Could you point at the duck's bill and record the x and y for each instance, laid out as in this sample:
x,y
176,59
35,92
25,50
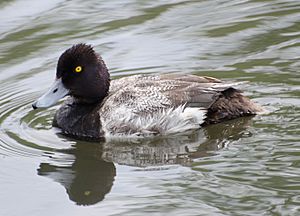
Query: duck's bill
x,y
56,92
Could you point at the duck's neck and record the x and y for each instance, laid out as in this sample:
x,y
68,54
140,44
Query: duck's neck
x,y
80,120
85,102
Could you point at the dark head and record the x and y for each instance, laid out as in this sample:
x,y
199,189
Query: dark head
x,y
80,73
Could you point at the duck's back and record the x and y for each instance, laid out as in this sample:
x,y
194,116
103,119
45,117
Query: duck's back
x,y
151,104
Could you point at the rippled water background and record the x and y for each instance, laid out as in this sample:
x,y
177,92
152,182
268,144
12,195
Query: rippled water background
x,y
249,166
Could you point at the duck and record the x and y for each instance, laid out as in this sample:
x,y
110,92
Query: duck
x,y
140,105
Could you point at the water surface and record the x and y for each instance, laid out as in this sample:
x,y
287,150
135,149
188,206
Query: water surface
x,y
249,166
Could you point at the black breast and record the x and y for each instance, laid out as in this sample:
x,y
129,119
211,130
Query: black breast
x,y
79,120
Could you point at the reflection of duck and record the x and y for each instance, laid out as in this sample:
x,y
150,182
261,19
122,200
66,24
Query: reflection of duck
x,y
140,105
88,179
220,135
153,151
179,149
91,175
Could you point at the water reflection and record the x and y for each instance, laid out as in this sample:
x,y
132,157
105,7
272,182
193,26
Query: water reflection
x,y
178,149
90,177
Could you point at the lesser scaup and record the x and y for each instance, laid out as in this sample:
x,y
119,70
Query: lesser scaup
x,y
138,105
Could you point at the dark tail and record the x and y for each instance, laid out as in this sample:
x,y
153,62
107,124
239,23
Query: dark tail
x,y
231,104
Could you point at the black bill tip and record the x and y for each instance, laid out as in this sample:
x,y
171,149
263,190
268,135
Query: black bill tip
x,y
34,106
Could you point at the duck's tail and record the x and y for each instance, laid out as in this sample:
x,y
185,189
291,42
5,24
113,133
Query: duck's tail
x,y
231,104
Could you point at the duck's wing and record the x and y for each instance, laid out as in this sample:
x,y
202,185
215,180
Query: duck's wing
x,y
198,94
146,94
147,79
189,78
158,104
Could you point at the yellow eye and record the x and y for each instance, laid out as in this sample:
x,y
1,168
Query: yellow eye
x,y
78,69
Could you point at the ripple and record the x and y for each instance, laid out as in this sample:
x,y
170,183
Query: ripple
x,y
24,131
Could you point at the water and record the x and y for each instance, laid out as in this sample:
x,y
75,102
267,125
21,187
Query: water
x,y
249,166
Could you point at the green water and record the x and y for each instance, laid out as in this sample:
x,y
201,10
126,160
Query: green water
x,y
250,166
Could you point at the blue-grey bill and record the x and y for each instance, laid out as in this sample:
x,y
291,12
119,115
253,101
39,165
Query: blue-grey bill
x,y
54,94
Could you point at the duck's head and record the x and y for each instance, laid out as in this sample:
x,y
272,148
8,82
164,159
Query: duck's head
x,y
80,73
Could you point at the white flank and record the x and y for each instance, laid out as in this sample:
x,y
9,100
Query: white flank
x,y
124,122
